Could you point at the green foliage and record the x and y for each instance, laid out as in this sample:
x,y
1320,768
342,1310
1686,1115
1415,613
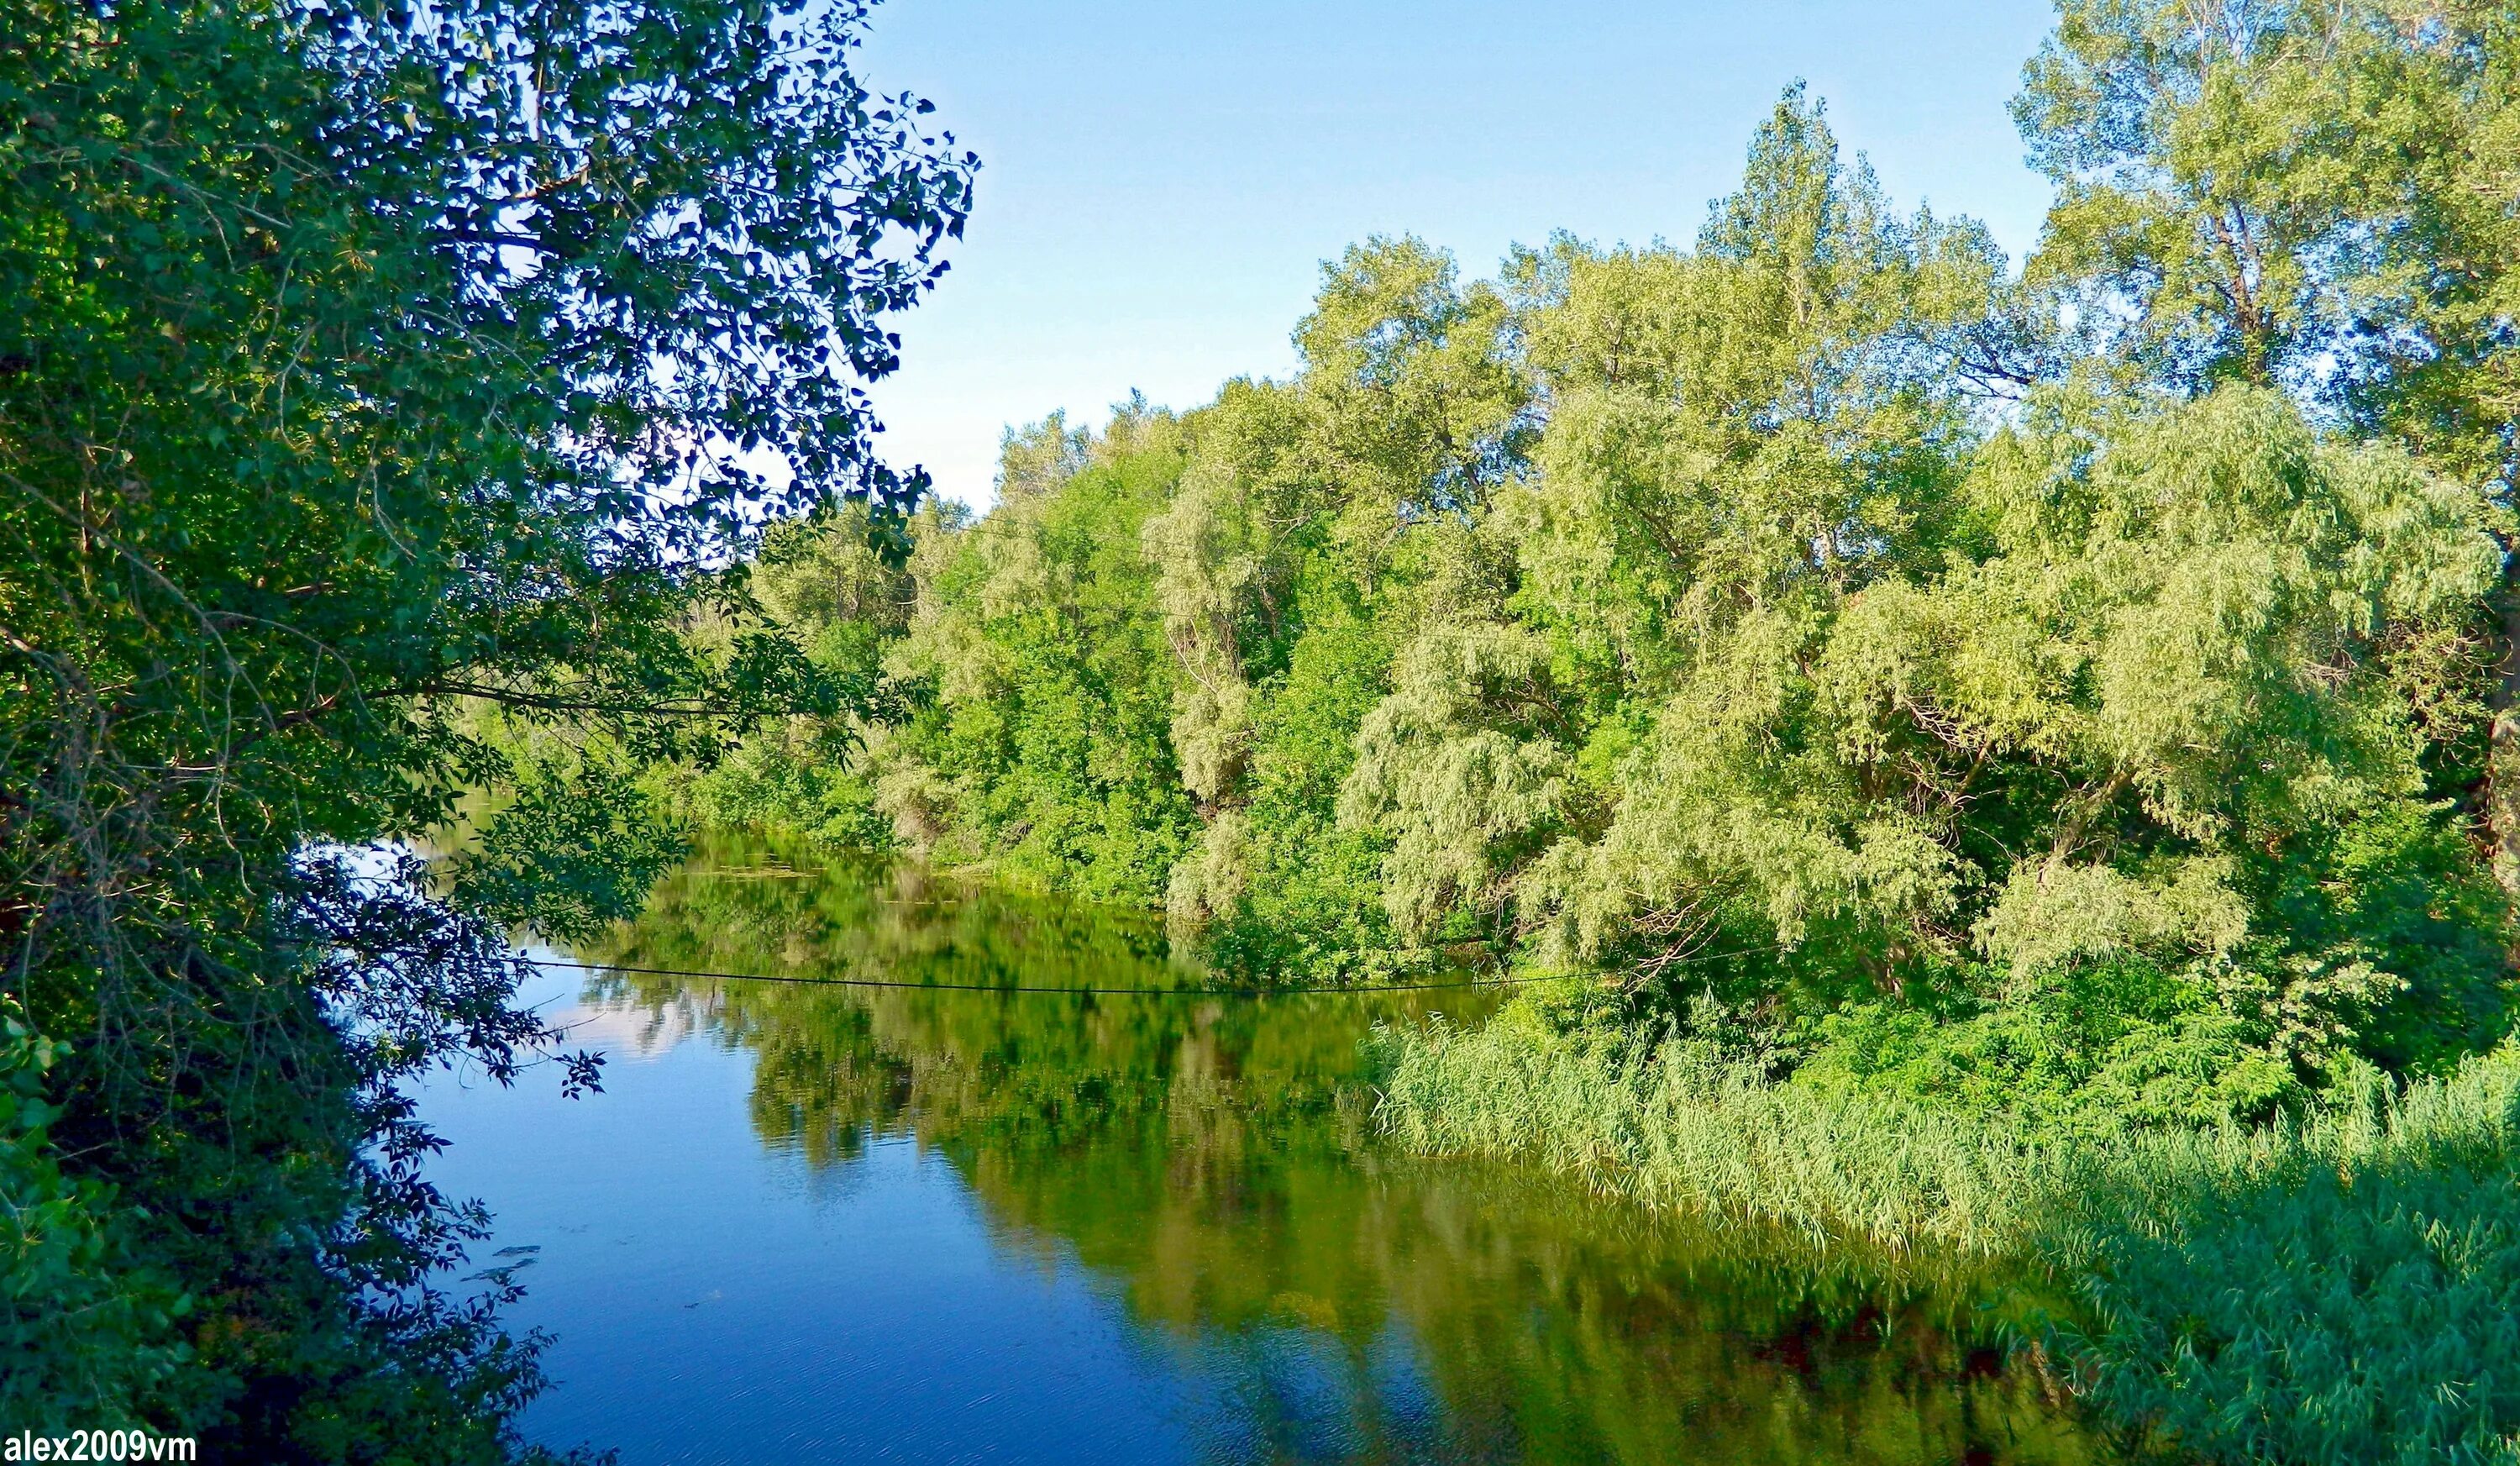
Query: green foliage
x,y
375,380
1942,714
1689,1118
79,1322
1281,886
1045,685
2315,195
1981,735
1779,613
2340,1288
2325,1316
2103,1048
828,586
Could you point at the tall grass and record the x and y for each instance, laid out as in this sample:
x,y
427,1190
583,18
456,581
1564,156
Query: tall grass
x,y
2344,1287
1657,1124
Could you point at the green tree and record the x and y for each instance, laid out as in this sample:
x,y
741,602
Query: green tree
x,y
1611,738
368,365
2322,198
1794,611
1038,678
1315,523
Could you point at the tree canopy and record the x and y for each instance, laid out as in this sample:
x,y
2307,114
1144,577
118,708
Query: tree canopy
x,y
370,365
1826,617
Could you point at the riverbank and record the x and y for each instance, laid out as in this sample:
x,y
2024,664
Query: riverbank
x,y
2343,1286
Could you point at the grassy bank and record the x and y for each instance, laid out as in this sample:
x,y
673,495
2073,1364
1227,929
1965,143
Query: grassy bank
x,y
2344,1286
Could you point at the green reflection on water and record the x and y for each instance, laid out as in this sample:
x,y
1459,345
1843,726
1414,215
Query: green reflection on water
x,y
1213,1158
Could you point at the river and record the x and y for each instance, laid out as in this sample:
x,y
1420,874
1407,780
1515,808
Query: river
x,y
813,1222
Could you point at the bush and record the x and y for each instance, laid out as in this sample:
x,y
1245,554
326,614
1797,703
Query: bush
x,y
2357,1298
80,1325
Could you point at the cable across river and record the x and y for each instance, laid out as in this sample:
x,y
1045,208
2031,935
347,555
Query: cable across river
x,y
1018,987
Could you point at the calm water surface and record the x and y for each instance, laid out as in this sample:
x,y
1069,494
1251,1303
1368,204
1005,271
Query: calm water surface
x,y
827,1223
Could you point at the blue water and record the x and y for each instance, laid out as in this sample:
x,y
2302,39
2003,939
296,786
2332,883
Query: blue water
x,y
717,1301
845,1225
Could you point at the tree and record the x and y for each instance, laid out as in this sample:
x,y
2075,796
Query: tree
x,y
1738,439
1314,523
2322,198
370,364
1041,689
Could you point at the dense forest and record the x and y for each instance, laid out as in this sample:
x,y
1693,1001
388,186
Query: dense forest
x,y
2007,758
2038,691
2012,760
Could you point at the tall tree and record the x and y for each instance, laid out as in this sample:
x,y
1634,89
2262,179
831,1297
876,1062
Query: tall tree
x,y
2323,197
366,362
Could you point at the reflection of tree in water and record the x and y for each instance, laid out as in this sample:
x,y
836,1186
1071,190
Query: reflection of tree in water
x,y
1209,1157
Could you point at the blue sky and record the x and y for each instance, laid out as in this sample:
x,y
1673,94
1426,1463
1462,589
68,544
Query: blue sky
x,y
1160,183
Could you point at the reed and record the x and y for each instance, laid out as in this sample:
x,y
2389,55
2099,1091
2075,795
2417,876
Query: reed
x,y
2341,1287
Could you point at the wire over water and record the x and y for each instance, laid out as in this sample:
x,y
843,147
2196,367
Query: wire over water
x,y
1238,992
756,976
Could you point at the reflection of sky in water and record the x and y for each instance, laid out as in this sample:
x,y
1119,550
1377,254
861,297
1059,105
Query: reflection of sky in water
x,y
723,1300
715,1301
718,1300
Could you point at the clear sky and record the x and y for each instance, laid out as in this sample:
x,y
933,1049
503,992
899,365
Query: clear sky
x,y
1161,182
